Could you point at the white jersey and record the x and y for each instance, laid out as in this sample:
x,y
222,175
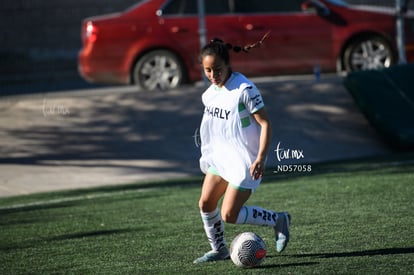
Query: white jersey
x,y
229,134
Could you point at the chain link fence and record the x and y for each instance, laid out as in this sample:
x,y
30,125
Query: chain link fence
x,y
48,39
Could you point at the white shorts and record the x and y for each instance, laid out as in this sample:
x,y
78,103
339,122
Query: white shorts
x,y
243,186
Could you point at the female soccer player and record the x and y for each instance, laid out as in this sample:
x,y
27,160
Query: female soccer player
x,y
235,136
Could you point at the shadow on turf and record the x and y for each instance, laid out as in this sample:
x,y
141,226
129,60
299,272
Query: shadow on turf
x,y
265,266
96,233
78,235
75,198
374,252
32,207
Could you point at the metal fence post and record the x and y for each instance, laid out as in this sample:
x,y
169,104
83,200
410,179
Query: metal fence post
x,y
202,31
400,31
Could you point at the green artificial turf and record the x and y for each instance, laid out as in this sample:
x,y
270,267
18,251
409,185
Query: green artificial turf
x,y
347,218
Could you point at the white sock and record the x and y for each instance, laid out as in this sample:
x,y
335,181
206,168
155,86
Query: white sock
x,y
257,216
214,227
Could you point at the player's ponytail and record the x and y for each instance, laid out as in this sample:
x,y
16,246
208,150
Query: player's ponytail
x,y
245,48
218,47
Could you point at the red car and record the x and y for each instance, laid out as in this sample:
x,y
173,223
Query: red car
x,y
155,44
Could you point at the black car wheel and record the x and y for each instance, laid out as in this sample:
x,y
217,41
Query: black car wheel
x,y
368,53
158,69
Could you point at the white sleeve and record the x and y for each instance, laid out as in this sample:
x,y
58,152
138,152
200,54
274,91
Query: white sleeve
x,y
252,99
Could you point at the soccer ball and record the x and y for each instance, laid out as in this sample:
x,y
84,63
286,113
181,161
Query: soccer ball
x,y
247,250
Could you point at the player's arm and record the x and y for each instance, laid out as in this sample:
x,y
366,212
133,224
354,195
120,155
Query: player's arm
x,y
262,118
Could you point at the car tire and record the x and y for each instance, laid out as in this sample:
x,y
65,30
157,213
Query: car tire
x,y
368,53
159,69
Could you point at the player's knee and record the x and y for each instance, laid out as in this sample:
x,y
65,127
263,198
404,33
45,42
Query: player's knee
x,y
206,206
202,205
228,216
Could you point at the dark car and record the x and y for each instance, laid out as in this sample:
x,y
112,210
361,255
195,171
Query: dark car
x,y
155,44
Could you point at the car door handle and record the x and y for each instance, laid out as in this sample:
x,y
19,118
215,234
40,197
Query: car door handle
x,y
251,27
177,29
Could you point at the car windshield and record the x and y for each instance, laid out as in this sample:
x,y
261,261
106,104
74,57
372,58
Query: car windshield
x,y
339,2
139,2
185,7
